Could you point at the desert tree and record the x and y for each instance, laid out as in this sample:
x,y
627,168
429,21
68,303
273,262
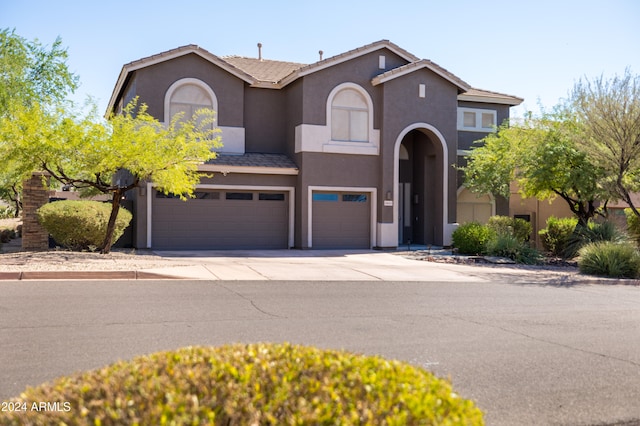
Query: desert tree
x,y
608,118
541,156
113,156
30,74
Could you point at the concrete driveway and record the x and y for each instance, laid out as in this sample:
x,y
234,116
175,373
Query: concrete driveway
x,y
339,265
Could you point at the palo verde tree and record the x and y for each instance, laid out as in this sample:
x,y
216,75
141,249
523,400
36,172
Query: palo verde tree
x,y
542,157
30,74
608,114
115,156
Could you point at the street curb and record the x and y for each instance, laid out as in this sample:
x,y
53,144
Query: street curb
x,y
83,275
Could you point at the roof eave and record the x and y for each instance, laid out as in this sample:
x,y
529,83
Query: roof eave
x,y
416,66
224,169
503,100
166,56
344,57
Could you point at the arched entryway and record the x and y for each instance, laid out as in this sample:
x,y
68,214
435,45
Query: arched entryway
x,y
421,185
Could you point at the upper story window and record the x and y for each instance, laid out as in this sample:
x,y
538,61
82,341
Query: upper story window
x,y
187,96
477,120
350,115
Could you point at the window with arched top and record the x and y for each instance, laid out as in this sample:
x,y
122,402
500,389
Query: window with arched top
x,y
350,116
187,96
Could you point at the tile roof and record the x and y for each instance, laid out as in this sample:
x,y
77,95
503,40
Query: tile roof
x,y
263,69
414,66
277,74
479,95
254,159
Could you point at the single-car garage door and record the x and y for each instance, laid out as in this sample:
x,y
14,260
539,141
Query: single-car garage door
x,y
341,220
221,219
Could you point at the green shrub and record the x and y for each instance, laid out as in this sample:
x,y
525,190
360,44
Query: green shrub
x,y
619,260
252,384
633,225
518,228
7,212
594,232
81,225
507,245
555,236
472,238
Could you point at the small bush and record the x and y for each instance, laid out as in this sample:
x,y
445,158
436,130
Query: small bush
x,y
555,237
251,384
472,238
518,228
7,212
81,225
633,225
594,232
507,245
618,260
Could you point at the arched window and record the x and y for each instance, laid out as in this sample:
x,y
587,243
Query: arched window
x,y
349,116
187,96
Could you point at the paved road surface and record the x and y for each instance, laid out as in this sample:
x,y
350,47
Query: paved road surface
x,y
528,354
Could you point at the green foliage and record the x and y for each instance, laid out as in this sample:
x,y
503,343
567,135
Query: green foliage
x,y
81,225
252,384
87,153
617,260
608,111
509,246
555,237
472,238
6,212
31,72
594,232
542,157
633,225
491,165
520,229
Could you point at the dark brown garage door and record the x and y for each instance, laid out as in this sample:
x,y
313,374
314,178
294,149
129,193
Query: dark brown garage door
x,y
341,220
221,220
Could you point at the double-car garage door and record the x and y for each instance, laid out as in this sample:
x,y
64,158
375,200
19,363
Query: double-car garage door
x,y
221,219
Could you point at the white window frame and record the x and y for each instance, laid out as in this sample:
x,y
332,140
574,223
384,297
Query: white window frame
x,y
185,81
478,121
369,102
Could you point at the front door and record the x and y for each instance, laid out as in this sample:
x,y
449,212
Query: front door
x,y
405,216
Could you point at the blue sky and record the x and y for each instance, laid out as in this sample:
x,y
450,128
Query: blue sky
x,y
534,49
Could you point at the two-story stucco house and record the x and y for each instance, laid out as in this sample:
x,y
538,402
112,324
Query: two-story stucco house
x,y
353,151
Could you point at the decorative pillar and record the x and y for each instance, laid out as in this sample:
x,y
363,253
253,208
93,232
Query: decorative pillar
x,y
35,194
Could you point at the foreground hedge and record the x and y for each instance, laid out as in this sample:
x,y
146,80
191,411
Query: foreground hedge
x,y
81,225
251,384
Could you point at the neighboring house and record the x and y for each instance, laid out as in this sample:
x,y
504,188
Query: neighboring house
x,y
353,151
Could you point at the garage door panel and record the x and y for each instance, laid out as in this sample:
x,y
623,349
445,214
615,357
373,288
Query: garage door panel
x,y
341,220
220,223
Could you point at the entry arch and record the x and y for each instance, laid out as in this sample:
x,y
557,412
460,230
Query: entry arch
x,y
436,137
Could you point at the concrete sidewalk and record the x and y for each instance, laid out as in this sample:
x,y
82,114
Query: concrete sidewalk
x,y
272,265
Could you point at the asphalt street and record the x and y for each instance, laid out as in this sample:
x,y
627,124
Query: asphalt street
x,y
528,354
